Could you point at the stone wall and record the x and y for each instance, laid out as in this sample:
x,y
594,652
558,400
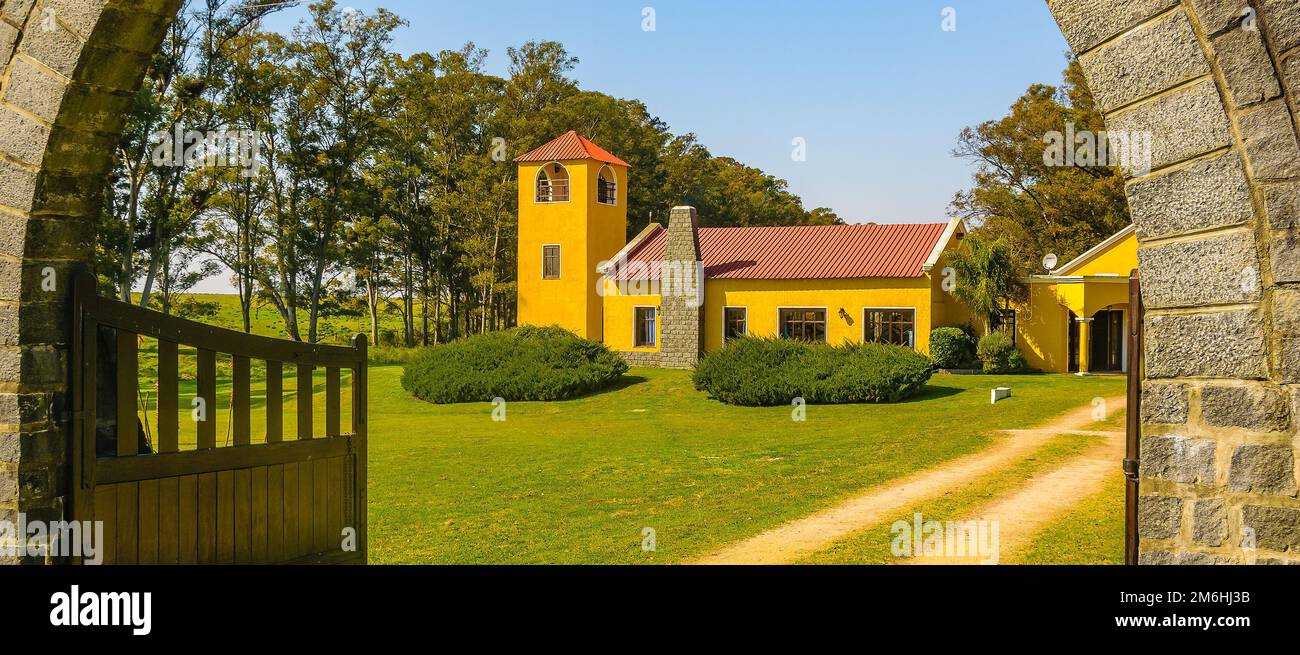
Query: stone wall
x,y
641,359
681,320
1216,83
68,72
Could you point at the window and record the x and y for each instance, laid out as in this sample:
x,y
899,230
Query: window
x,y
607,187
734,323
896,327
1005,321
645,327
550,262
803,324
552,183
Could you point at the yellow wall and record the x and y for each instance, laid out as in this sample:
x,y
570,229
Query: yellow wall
x,y
1119,259
587,232
764,298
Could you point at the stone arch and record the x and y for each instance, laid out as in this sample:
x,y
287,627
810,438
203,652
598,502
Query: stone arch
x,y
1216,82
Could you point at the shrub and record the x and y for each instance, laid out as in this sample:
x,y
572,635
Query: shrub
x,y
524,363
999,355
776,371
952,347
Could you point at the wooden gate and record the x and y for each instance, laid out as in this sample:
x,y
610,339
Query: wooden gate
x,y
164,501
1133,427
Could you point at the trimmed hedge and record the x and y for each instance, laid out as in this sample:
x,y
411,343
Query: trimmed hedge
x,y
953,347
524,363
751,371
999,354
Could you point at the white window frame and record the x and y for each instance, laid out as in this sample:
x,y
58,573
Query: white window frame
x,y
614,175
867,308
569,187
724,320
634,326
779,309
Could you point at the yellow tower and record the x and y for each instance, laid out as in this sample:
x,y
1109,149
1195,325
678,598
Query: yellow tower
x,y
572,217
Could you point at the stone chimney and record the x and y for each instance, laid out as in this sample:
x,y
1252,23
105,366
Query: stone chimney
x,y
681,280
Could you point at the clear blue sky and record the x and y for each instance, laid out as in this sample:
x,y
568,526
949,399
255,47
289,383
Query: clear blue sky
x,y
876,88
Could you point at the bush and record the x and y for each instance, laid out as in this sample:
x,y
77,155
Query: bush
x,y
776,371
999,355
524,363
952,347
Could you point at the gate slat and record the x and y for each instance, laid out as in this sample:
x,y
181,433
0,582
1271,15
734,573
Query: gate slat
x,y
274,402
187,519
304,401
243,531
169,521
333,407
305,517
147,541
241,427
106,511
207,388
334,503
168,380
320,498
275,513
127,383
207,519
127,515
290,510
225,517
257,496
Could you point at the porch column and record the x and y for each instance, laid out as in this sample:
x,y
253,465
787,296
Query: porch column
x,y
1085,344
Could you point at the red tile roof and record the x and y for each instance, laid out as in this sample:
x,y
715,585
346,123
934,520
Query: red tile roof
x,y
570,145
791,253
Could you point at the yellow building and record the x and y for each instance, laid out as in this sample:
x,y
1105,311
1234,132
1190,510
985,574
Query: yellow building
x,y
1076,316
672,293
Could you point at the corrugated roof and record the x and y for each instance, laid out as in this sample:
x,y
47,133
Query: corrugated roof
x,y
570,145
803,252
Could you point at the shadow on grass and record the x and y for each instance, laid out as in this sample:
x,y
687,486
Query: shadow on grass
x,y
622,383
930,392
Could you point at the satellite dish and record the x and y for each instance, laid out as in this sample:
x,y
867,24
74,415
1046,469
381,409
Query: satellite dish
x,y
1049,261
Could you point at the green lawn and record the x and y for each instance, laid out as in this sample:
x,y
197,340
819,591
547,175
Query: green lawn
x,y
578,481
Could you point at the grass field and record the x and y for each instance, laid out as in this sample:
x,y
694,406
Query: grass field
x,y
579,481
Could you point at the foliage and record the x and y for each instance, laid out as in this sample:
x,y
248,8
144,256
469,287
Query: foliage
x,y
953,348
1018,198
524,363
754,371
986,279
998,353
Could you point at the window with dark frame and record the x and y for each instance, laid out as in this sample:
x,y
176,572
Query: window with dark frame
x,y
896,327
1005,321
803,324
552,184
550,262
606,188
735,323
645,327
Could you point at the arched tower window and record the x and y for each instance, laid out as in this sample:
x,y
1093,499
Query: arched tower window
x,y
607,187
552,183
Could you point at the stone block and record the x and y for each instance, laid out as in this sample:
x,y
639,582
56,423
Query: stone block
x,y
1282,201
1219,15
1178,459
1164,403
1085,23
1144,61
1210,522
1246,66
1256,407
1283,20
1216,270
1263,469
1206,194
1159,517
1275,528
1270,141
1182,124
1219,344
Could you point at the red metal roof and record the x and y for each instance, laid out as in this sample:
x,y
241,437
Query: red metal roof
x,y
570,145
804,252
